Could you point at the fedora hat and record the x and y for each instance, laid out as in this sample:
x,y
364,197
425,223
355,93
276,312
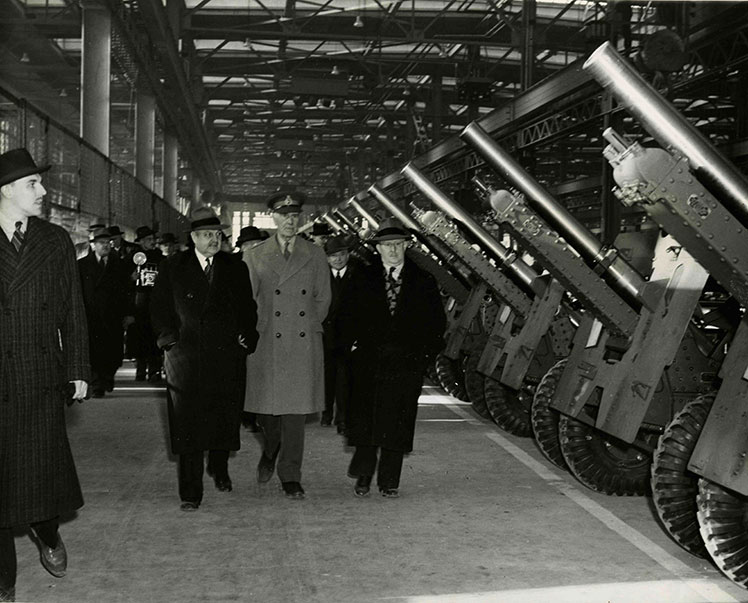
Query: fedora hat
x,y
249,233
204,218
337,243
167,238
141,232
101,233
390,230
286,203
17,164
115,231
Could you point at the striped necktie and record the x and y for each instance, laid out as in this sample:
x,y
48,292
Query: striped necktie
x,y
392,288
17,239
209,269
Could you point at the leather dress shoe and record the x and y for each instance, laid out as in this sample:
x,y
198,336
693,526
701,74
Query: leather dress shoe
x,y
325,422
362,486
293,490
7,594
54,560
265,467
389,492
188,505
223,482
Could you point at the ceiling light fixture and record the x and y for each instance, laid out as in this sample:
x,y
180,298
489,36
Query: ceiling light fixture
x,y
25,58
359,22
63,92
335,70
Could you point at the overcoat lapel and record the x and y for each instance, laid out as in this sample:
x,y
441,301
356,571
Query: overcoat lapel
x,y
196,276
297,260
34,253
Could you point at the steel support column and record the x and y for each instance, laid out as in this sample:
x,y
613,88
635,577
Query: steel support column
x,y
145,137
170,169
96,53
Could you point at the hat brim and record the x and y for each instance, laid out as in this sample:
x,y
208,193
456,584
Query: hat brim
x,y
288,209
390,237
209,227
22,173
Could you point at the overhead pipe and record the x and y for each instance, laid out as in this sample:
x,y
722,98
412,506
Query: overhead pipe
x,y
557,216
669,127
510,259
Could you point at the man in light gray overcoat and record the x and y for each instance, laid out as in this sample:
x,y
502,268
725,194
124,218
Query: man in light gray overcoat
x,y
285,379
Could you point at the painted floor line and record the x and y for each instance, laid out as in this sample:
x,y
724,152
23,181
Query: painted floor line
x,y
644,544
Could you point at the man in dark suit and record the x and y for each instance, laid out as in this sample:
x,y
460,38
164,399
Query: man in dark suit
x,y
120,247
141,339
45,348
337,358
206,318
394,323
105,285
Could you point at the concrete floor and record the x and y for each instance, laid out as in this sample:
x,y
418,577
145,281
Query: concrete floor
x,y
482,517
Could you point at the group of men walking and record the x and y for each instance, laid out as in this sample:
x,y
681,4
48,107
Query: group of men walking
x,y
239,332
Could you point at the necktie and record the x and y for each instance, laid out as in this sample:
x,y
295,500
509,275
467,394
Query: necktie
x,y
286,252
209,269
392,288
17,239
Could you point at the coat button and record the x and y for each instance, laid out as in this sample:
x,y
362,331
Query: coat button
x,y
277,334
303,291
302,334
302,313
277,313
277,291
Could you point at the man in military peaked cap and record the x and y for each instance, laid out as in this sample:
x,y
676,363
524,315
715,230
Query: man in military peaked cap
x,y
285,379
45,344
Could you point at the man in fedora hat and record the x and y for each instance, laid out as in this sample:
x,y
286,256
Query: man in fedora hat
x,y
168,244
205,316
337,358
141,339
45,347
120,246
394,322
106,295
250,236
291,283
320,233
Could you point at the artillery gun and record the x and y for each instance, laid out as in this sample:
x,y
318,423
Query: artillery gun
x,y
691,190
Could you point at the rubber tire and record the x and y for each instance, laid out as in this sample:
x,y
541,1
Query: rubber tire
x,y
450,377
474,384
674,488
510,409
591,457
724,528
544,419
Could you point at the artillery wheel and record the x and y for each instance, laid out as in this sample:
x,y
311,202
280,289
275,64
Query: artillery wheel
x,y
544,419
674,488
474,384
723,522
450,377
601,462
510,409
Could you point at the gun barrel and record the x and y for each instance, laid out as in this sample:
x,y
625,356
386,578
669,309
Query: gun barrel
x,y
552,211
346,220
373,222
524,272
394,208
336,226
669,127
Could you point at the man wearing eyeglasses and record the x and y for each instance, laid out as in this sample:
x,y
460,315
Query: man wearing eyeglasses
x,y
205,317
393,321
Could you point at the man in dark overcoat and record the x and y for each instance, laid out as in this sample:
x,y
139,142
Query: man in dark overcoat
x,y
394,322
337,358
205,317
44,348
106,296
141,338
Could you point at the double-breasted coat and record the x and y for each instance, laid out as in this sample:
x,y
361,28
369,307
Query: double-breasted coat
x,y
198,323
106,297
391,353
286,375
43,346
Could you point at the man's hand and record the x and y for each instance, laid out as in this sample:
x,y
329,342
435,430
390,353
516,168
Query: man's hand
x,y
81,389
242,342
